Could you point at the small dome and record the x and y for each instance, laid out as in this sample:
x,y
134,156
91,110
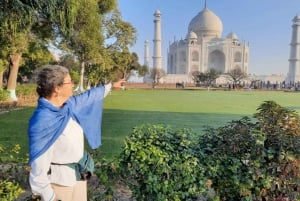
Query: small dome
x,y
232,36
157,13
192,36
296,18
206,24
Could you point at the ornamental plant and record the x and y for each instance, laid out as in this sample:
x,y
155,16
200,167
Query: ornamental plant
x,y
9,190
281,158
4,94
13,175
231,157
254,160
159,164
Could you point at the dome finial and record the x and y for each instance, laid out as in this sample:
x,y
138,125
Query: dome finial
x,y
205,4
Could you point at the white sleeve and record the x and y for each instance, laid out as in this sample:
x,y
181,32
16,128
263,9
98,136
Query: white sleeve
x,y
107,89
38,178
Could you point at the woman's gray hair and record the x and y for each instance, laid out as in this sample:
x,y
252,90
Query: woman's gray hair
x,y
48,77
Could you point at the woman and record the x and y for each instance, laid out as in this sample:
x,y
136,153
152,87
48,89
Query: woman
x,y
56,133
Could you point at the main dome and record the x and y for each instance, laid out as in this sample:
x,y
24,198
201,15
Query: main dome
x,y
206,24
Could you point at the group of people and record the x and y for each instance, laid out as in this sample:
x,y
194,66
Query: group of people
x,y
56,133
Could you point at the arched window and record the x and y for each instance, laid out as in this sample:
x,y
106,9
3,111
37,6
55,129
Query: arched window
x,y
216,60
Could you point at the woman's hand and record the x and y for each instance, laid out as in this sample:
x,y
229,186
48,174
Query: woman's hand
x,y
119,84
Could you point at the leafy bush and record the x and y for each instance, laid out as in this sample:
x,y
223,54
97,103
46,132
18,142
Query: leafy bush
x,y
253,161
26,90
9,191
108,174
160,164
4,94
12,172
231,156
281,158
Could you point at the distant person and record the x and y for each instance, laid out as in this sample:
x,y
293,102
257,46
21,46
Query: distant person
x,y
56,134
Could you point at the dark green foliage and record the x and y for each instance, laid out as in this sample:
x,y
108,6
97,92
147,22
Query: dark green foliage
x,y
230,155
9,191
161,165
106,5
281,157
12,172
4,94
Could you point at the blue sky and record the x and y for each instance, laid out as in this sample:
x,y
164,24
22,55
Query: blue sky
x,y
265,24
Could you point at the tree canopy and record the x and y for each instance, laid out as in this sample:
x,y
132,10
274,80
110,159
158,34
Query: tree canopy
x,y
94,33
207,78
236,75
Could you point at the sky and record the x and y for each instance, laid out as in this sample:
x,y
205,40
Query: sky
x,y
265,24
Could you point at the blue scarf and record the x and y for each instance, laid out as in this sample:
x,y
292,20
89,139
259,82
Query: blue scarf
x,y
48,121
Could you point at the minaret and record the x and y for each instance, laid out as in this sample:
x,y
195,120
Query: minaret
x,y
157,58
146,54
294,61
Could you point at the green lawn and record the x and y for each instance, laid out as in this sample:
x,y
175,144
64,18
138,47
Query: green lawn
x,y
124,110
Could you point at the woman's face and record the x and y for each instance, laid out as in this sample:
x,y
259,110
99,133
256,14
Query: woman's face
x,y
67,88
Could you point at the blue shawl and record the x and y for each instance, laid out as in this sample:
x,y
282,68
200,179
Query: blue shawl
x,y
48,121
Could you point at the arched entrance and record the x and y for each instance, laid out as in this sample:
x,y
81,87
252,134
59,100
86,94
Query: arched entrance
x,y
216,60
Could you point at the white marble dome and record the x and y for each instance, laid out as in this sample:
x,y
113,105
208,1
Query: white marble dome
x,y
232,36
192,35
206,24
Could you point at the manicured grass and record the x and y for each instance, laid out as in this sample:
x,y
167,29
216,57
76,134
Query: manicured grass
x,y
124,110
183,108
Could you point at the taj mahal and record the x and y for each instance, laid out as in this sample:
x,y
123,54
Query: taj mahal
x,y
204,49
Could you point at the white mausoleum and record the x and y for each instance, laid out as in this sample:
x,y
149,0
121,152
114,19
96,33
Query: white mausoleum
x,y
204,48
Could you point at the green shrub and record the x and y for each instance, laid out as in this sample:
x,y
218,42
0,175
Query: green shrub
x,y
108,174
281,158
254,161
12,172
4,95
230,155
9,191
161,164
26,90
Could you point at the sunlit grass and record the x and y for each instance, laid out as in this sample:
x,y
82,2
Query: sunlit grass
x,y
124,110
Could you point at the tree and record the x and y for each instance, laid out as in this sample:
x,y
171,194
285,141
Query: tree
x,y
67,25
124,63
16,19
20,21
86,41
3,68
143,70
207,77
236,75
156,74
118,36
69,61
196,78
100,41
36,55
117,61
211,76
